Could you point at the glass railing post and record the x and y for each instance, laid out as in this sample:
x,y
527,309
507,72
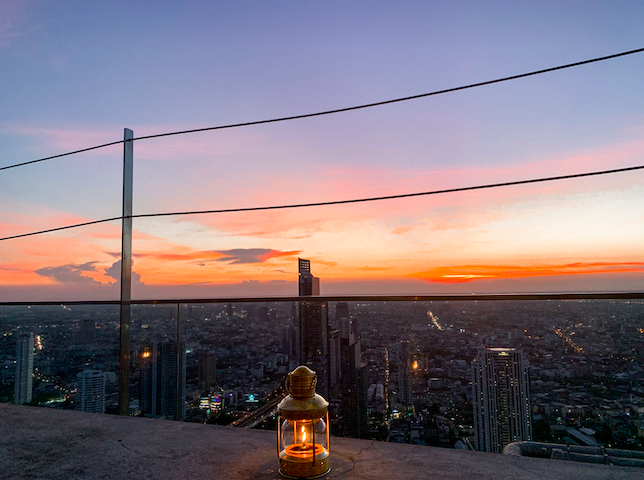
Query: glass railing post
x,y
180,355
126,274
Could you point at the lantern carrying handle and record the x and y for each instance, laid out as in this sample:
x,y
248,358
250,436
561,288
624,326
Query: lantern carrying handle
x,y
287,385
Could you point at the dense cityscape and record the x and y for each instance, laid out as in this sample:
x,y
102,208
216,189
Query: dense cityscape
x,y
393,371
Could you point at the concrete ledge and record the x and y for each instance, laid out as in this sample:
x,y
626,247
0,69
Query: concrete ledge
x,y
41,443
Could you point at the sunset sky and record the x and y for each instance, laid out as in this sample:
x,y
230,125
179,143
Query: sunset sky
x,y
75,74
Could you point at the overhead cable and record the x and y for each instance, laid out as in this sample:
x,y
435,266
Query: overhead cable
x,y
96,147
395,100
341,110
340,202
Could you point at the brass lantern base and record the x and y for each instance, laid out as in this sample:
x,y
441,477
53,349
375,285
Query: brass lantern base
x,y
297,470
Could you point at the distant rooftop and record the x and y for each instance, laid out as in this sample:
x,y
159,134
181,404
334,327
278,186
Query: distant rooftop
x,y
67,445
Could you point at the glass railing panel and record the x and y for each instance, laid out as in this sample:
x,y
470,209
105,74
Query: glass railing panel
x,y
236,359
401,371
47,349
153,362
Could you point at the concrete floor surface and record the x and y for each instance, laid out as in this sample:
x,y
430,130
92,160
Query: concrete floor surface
x,y
42,443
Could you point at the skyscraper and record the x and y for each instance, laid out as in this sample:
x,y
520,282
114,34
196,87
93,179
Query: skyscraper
x,y
341,310
160,393
501,398
404,375
308,284
173,394
334,358
400,356
91,391
352,403
148,378
313,328
207,371
24,369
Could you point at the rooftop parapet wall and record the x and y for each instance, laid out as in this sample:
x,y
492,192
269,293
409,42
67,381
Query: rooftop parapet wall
x,y
68,445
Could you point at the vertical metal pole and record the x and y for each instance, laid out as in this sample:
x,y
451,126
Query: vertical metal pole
x,y
179,369
313,431
126,274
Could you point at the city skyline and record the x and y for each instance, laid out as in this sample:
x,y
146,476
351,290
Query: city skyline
x,y
213,65
583,358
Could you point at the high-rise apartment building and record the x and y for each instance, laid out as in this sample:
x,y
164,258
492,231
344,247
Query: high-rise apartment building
x,y
334,358
90,396
313,328
400,355
207,371
148,378
162,379
341,310
405,395
352,406
23,382
173,380
344,322
501,398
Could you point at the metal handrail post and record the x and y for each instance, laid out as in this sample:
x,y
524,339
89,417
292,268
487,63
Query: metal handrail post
x,y
126,274
179,365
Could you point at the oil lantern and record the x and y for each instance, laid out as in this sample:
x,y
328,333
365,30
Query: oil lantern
x,y
302,428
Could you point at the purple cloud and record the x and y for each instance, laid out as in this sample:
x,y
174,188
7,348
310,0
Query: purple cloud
x,y
115,272
70,274
252,255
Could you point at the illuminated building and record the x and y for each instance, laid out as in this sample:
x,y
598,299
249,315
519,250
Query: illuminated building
x,y
23,382
401,356
91,391
313,328
160,394
147,358
406,394
213,403
501,399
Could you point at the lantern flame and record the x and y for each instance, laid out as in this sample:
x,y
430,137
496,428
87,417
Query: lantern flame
x,y
303,434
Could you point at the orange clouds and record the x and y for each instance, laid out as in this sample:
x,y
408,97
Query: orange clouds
x,y
189,255
276,254
19,223
238,255
444,211
485,235
469,273
400,230
177,264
